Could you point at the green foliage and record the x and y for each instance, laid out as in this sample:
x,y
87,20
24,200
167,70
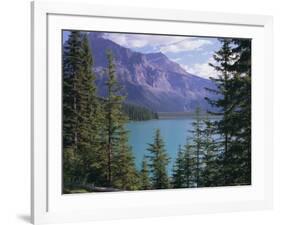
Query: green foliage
x,y
95,142
197,145
179,170
145,183
125,176
233,63
211,168
138,113
189,164
114,118
220,150
79,107
242,116
158,162
96,153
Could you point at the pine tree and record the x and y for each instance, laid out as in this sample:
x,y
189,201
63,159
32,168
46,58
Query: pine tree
x,y
224,60
125,175
189,165
159,161
88,112
234,105
179,170
242,113
144,176
71,67
210,173
81,111
185,167
114,118
197,144
78,106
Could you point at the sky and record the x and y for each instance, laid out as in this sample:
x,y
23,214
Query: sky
x,y
192,53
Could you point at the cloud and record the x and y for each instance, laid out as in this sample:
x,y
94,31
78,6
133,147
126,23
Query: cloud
x,y
140,40
201,69
188,44
176,45
177,59
161,43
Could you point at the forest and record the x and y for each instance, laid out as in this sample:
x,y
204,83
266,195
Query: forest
x,y
138,113
97,156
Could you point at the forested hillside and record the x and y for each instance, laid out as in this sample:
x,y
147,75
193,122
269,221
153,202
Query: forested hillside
x,y
138,113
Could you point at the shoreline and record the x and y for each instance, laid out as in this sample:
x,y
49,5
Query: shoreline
x,y
178,116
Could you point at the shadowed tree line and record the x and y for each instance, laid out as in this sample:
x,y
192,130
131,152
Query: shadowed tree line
x,y
96,153
138,113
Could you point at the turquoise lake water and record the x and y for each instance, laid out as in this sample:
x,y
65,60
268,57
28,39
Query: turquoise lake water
x,y
173,131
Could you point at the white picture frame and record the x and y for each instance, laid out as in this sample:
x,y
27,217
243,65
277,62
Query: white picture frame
x,y
48,205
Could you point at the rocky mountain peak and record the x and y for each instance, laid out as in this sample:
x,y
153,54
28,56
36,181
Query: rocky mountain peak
x,y
151,80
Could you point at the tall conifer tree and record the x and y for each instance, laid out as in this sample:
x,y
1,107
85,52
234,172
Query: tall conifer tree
x,y
190,164
125,175
144,176
79,109
234,105
158,162
197,145
210,173
179,170
114,118
242,113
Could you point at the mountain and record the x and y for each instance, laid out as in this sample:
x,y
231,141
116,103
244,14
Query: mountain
x,y
150,80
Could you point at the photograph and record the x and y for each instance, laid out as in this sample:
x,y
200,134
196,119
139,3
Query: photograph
x,y
154,111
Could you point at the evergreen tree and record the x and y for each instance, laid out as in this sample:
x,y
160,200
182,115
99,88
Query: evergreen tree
x,y
138,113
189,165
71,68
224,60
234,105
185,167
242,81
179,170
197,145
159,161
79,104
144,176
125,176
88,112
114,118
210,174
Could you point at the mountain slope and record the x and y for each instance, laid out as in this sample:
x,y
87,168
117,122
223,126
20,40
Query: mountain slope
x,y
150,80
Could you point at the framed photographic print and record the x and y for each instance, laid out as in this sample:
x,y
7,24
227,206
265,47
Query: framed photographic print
x,y
145,112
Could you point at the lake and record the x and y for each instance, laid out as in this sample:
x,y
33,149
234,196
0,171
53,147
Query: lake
x,y
173,131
